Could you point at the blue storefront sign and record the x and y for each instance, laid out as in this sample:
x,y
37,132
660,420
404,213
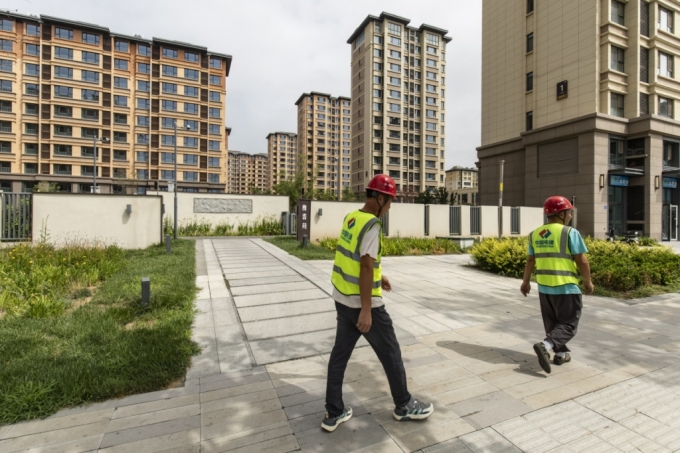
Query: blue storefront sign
x,y
620,181
670,183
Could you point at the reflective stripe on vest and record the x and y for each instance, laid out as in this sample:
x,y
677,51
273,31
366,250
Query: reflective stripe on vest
x,y
555,265
347,265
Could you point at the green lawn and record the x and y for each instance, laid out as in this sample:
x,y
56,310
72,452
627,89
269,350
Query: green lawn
x,y
100,347
293,247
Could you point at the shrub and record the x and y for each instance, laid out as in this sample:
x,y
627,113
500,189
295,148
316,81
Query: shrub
x,y
265,226
615,266
648,242
398,246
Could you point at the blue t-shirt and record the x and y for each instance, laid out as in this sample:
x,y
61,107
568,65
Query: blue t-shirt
x,y
576,247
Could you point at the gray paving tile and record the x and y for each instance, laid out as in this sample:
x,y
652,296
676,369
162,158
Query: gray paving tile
x,y
359,432
149,431
287,309
259,330
489,409
274,298
272,288
266,280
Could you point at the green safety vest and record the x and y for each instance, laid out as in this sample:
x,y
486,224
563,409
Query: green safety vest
x,y
555,265
347,263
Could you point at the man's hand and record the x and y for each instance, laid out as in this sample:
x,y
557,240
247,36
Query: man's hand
x,y
525,288
589,287
386,284
365,320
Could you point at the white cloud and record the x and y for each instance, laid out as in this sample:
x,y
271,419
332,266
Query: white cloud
x,y
282,48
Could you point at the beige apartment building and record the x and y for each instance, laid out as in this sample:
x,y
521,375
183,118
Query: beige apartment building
x,y
66,84
398,79
463,182
282,156
324,140
247,172
578,100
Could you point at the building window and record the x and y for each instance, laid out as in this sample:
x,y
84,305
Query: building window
x,y
215,96
143,68
6,45
63,53
143,103
213,145
666,107
617,59
214,112
89,76
31,109
120,64
6,85
63,33
215,63
6,65
394,29
168,140
90,57
121,46
213,178
190,56
617,12
89,114
530,42
32,30
143,86
665,64
120,101
215,80
169,88
90,38
190,159
64,111
142,139
143,121
33,49
88,132
89,95
665,19
616,101
190,176
644,104
119,118
59,91
360,40
213,162
31,149
120,137
191,125
190,108
63,72
214,129
142,156
169,70
191,91
144,50
530,6
32,69
529,121
432,39
30,128
530,81
169,53
169,105
191,74
62,131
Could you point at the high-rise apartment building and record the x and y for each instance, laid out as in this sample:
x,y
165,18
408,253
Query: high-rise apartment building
x,y
247,173
578,99
65,84
463,182
324,140
283,160
398,94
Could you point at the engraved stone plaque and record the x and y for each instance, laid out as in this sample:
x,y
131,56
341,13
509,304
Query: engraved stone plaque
x,y
222,206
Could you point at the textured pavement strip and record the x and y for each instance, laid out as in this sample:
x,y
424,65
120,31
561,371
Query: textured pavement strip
x,y
466,342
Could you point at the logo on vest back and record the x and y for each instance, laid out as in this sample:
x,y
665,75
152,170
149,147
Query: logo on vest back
x,y
351,223
544,241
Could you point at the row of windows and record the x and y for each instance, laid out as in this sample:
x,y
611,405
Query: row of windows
x,y
415,75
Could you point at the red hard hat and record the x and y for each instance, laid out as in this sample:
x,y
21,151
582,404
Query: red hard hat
x,y
383,184
556,204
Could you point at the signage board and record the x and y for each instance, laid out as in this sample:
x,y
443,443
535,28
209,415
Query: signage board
x,y
304,218
619,181
670,183
562,90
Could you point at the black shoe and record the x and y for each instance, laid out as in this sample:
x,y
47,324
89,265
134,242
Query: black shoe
x,y
557,360
543,356
414,410
330,423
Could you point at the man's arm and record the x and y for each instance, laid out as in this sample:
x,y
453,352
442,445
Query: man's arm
x,y
528,269
584,266
365,291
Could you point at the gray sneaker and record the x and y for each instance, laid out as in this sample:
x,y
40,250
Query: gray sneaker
x,y
543,356
557,360
414,410
331,423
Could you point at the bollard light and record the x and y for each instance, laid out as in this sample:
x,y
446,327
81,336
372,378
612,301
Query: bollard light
x,y
168,245
146,292
305,241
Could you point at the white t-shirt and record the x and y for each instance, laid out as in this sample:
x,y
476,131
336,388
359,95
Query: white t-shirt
x,y
369,246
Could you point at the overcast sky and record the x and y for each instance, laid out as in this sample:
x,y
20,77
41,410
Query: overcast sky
x,y
283,48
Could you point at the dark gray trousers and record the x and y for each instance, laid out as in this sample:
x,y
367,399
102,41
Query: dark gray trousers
x,y
561,313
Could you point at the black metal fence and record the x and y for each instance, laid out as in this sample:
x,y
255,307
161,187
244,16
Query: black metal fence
x,y
454,219
16,214
514,221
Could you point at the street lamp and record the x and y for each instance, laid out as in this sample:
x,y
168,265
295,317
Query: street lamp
x,y
94,158
174,126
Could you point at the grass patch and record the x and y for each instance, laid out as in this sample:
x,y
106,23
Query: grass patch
x,y
265,226
325,250
106,348
617,269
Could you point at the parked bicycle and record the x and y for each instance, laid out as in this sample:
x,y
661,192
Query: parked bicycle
x,y
629,237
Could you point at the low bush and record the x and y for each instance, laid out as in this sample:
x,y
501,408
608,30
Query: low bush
x,y
265,226
398,246
615,266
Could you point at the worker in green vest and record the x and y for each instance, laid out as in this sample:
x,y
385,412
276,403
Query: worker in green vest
x,y
358,283
557,252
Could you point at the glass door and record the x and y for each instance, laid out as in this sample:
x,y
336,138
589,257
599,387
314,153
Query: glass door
x,y
666,222
616,211
674,222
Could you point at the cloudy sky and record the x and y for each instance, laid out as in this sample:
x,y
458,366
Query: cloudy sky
x,y
283,48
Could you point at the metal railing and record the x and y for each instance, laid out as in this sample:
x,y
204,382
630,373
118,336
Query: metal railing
x,y
514,220
289,222
454,219
16,217
385,219
475,219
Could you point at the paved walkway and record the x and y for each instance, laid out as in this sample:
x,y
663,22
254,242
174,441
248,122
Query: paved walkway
x,y
466,339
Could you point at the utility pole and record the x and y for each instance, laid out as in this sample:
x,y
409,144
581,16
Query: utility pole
x,y
500,200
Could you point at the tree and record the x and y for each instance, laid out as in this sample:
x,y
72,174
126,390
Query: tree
x,y
440,195
348,194
46,186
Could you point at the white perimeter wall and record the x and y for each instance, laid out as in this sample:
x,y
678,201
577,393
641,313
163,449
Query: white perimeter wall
x,y
262,206
329,223
100,217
